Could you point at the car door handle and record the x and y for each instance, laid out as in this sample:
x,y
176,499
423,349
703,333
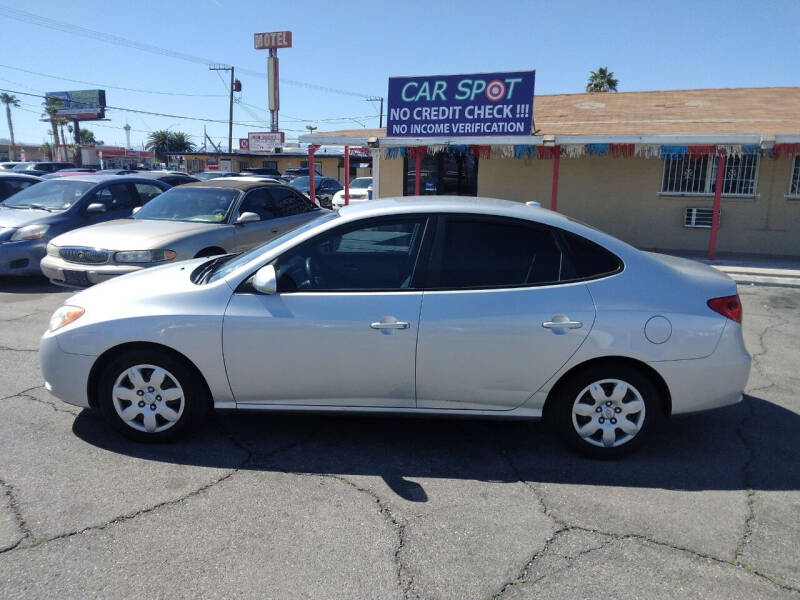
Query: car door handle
x,y
391,325
562,324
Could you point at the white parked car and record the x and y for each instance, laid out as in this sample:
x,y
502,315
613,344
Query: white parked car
x,y
360,191
431,305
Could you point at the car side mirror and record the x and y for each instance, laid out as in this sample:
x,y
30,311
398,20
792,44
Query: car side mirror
x,y
247,217
265,281
95,207
136,209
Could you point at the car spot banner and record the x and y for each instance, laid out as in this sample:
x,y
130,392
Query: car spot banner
x,y
461,105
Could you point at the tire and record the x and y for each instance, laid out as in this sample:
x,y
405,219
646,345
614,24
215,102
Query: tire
x,y
615,407
152,395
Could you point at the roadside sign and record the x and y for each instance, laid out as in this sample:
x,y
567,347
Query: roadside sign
x,y
461,105
271,40
244,144
265,141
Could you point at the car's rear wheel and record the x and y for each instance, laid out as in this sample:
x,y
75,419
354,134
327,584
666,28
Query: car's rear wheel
x,y
607,410
151,395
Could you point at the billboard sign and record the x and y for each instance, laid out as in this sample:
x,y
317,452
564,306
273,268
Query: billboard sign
x,y
81,105
272,40
264,141
461,105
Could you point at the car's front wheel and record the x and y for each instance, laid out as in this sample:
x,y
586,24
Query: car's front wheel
x,y
607,410
151,395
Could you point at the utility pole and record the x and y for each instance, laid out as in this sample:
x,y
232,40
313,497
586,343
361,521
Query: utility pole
x,y
236,86
377,99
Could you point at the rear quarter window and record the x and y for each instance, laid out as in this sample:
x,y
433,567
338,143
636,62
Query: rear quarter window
x,y
589,260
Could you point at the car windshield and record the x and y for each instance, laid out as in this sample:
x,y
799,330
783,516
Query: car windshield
x,y
204,205
23,166
303,183
54,194
230,266
361,182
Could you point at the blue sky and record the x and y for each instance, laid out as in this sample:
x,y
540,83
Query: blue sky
x,y
355,46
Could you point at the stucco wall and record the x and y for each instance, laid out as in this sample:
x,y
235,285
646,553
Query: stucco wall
x,y
621,196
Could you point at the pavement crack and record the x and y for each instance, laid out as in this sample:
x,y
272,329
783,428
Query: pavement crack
x,y
11,495
57,407
22,393
10,349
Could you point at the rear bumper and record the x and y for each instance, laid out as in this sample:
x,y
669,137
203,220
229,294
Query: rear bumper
x,y
710,382
65,375
22,258
54,268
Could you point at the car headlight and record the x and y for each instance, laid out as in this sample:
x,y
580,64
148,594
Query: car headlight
x,y
64,316
143,256
29,232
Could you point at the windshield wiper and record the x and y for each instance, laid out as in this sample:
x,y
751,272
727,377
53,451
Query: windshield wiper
x,y
41,207
206,270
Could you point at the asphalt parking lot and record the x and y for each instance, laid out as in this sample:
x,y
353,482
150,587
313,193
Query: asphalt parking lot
x,y
326,507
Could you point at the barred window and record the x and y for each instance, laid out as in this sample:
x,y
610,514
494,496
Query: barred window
x,y
794,182
697,175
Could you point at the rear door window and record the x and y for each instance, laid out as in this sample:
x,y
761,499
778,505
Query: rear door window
x,y
479,252
587,259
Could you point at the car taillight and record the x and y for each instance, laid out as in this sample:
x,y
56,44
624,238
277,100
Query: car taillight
x,y
727,306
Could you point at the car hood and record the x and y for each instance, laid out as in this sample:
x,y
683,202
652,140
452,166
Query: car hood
x,y
18,217
132,234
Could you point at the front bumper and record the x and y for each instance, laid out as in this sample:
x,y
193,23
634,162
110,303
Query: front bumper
x,y
22,258
55,270
65,375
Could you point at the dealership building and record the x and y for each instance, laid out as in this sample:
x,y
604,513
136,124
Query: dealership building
x,y
642,166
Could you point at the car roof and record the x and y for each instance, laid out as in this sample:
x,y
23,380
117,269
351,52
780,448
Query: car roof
x,y
235,183
452,204
94,178
19,175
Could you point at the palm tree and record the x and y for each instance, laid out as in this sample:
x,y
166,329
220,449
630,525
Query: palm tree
x,y
51,107
602,80
10,100
164,141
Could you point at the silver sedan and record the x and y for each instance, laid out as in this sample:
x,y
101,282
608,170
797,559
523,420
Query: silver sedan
x,y
434,305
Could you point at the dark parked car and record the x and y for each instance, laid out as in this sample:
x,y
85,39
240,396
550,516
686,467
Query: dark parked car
x,y
116,171
324,188
31,218
262,171
11,183
171,177
299,172
40,168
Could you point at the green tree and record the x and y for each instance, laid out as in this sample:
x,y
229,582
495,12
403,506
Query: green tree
x,y
51,107
87,137
602,80
163,142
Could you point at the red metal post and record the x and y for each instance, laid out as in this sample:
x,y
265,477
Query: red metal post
x,y
712,241
312,149
417,170
556,164
346,175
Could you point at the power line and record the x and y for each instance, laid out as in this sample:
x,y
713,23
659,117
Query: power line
x,y
156,114
38,20
113,87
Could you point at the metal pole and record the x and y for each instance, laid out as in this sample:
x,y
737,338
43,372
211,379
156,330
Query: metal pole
x,y
230,118
380,118
312,148
417,170
556,164
346,175
76,128
712,242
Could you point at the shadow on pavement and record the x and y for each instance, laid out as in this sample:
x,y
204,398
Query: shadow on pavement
x,y
29,285
750,445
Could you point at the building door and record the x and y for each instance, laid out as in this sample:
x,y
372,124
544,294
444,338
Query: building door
x,y
443,174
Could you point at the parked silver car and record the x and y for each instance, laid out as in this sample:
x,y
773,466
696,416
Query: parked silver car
x,y
196,219
430,305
